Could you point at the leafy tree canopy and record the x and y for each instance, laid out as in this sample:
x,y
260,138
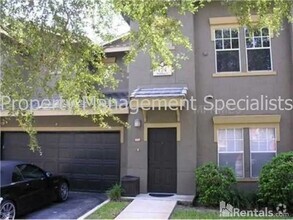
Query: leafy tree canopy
x,y
46,51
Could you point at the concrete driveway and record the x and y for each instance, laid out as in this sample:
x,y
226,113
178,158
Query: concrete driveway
x,y
78,203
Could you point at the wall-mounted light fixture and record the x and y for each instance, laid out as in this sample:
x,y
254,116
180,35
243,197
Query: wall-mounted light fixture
x,y
137,123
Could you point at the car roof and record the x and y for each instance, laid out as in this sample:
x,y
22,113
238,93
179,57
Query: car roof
x,y
10,163
6,169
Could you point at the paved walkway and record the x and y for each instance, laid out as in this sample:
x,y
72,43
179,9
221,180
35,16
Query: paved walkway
x,y
148,207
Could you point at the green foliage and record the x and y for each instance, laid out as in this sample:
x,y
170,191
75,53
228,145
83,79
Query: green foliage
x,y
271,13
156,29
244,200
214,184
276,181
115,192
46,54
186,212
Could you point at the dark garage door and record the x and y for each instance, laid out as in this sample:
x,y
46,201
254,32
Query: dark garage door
x,y
90,160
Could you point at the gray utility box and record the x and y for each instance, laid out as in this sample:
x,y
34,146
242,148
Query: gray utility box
x,y
130,185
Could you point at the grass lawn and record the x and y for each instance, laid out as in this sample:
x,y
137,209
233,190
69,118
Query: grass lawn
x,y
188,212
109,211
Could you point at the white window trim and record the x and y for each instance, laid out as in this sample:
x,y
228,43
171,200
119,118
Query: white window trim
x,y
231,49
258,48
230,152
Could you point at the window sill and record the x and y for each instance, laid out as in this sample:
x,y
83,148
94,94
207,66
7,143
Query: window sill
x,y
245,74
247,180
161,75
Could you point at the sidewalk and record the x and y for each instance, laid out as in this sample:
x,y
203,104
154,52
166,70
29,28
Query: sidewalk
x,y
147,209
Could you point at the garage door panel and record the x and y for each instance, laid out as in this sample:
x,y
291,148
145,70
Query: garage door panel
x,y
91,185
25,153
20,141
47,152
65,154
80,154
91,160
112,139
48,140
96,154
50,165
110,169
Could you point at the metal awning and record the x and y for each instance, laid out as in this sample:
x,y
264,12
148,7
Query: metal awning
x,y
151,98
162,92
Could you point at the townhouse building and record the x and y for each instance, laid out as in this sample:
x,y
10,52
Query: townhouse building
x,y
239,80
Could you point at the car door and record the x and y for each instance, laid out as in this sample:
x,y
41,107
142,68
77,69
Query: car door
x,y
20,191
35,180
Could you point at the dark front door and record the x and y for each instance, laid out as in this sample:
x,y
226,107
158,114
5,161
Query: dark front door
x,y
162,160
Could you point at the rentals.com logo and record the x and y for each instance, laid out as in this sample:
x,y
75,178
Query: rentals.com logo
x,y
227,210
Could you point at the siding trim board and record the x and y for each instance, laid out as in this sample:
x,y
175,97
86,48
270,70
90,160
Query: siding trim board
x,y
117,49
162,125
67,112
228,22
241,74
247,121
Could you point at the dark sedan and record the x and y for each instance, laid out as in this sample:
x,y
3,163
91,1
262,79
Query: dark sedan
x,y
26,187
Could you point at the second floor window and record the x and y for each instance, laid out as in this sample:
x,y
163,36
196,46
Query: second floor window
x,y
258,49
256,52
227,50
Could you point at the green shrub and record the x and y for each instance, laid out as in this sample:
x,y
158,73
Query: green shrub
x,y
214,184
115,192
244,200
276,181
